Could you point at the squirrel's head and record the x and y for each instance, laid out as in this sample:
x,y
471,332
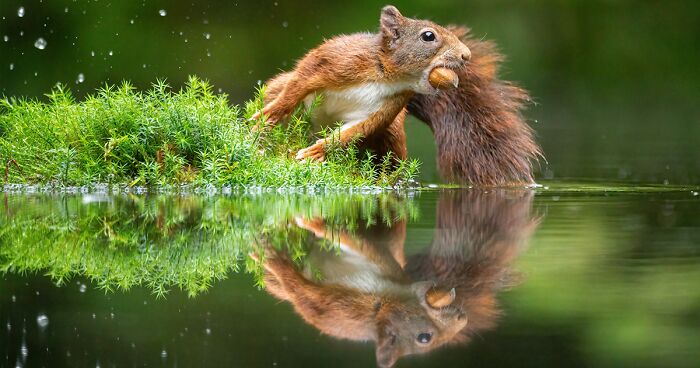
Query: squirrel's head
x,y
418,326
417,46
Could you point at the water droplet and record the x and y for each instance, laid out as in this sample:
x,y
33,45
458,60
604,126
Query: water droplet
x,y
208,331
695,194
65,10
40,43
20,12
163,354
162,12
9,327
131,21
14,298
92,53
110,53
23,350
81,79
42,321
285,24
5,38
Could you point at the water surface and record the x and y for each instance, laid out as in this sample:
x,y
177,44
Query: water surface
x,y
568,275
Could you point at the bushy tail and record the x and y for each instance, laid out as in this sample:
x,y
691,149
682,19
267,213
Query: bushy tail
x,y
482,137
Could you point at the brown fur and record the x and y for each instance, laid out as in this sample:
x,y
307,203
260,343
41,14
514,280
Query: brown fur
x,y
395,54
481,135
477,236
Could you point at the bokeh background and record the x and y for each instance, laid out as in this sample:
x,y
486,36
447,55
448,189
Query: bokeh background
x,y
617,83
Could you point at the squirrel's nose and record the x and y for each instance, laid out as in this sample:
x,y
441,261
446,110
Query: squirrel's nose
x,y
466,54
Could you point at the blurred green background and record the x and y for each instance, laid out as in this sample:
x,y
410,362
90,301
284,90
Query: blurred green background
x,y
617,83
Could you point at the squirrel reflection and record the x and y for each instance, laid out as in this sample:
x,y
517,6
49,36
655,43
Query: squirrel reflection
x,y
368,289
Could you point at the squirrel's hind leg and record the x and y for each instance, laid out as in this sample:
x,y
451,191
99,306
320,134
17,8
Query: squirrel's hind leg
x,y
276,85
294,91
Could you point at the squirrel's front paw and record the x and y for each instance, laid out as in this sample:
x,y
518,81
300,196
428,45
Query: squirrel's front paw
x,y
315,225
316,152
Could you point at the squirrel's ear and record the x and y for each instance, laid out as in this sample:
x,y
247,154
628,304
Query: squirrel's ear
x,y
387,351
390,21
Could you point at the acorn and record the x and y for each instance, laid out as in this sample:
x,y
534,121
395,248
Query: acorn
x,y
443,78
439,297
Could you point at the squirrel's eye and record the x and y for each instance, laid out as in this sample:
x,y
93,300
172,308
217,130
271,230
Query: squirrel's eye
x,y
427,36
424,337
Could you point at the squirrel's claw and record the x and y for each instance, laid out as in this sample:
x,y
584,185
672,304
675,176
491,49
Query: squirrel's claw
x,y
316,152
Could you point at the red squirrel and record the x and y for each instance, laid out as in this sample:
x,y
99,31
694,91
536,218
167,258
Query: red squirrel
x,y
367,289
366,80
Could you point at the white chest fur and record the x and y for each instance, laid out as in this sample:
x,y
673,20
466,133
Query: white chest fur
x,y
356,103
352,269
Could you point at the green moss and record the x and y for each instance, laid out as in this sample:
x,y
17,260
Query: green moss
x,y
161,137
167,241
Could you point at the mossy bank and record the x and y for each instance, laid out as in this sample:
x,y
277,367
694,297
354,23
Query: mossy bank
x,y
159,137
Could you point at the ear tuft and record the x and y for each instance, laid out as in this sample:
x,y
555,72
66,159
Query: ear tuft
x,y
386,349
390,21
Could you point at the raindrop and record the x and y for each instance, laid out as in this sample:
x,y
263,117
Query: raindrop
x,y
131,21
206,35
695,194
40,43
110,53
42,321
20,12
208,331
162,12
5,38
81,79
9,327
163,354
23,350
14,298
65,10
285,24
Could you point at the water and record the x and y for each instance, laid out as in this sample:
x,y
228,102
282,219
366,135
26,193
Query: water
x,y
572,275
